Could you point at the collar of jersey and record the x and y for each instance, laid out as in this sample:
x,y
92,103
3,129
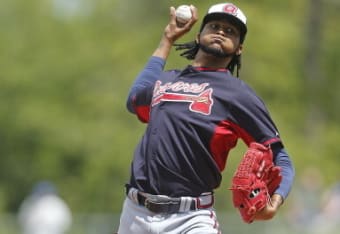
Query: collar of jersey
x,y
210,69
191,69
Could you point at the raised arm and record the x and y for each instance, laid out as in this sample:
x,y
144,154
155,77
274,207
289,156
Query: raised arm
x,y
139,96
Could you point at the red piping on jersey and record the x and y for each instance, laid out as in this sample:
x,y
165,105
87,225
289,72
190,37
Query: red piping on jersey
x,y
211,69
142,112
224,139
270,141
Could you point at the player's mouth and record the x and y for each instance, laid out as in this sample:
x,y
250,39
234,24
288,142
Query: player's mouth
x,y
217,39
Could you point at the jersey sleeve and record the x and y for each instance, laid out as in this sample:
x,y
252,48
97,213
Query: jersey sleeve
x,y
254,123
140,95
253,119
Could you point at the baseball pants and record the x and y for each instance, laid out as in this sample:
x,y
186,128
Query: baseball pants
x,y
136,219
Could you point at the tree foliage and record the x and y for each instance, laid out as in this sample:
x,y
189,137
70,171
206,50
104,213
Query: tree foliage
x,y
66,68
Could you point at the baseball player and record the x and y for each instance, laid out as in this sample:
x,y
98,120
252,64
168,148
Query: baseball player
x,y
194,117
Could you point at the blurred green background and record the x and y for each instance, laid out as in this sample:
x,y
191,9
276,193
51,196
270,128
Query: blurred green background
x,y
66,67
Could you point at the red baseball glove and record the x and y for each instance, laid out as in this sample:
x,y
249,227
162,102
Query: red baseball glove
x,y
254,181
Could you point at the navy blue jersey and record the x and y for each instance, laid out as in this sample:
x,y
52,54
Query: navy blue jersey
x,y
195,117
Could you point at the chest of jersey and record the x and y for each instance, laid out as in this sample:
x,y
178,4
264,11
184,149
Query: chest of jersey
x,y
194,97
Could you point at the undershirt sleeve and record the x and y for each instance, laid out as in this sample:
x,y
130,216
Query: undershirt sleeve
x,y
282,159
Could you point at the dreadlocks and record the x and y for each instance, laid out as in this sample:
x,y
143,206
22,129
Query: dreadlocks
x,y
191,49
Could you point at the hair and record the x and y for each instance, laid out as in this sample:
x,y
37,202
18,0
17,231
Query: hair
x,y
190,50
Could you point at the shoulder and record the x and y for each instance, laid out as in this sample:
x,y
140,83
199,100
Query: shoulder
x,y
239,89
170,75
245,91
172,71
244,96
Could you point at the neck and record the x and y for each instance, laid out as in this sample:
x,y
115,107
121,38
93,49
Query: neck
x,y
206,60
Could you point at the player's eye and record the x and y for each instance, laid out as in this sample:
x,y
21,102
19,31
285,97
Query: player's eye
x,y
229,31
214,26
226,29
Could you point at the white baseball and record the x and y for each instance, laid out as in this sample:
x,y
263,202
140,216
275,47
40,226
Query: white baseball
x,y
183,14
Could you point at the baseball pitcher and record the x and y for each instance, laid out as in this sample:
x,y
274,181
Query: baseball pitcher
x,y
194,117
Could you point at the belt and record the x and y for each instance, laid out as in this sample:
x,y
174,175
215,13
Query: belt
x,y
170,205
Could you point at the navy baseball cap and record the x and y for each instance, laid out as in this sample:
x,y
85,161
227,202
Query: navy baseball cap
x,y
230,12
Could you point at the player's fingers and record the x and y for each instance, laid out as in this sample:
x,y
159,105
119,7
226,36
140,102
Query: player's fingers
x,y
193,19
172,15
268,212
194,13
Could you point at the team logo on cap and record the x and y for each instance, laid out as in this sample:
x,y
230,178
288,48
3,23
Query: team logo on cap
x,y
230,9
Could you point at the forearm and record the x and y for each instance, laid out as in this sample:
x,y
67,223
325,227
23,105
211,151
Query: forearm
x,y
282,160
163,49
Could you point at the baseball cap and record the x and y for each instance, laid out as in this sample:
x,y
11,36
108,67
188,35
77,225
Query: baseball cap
x,y
230,12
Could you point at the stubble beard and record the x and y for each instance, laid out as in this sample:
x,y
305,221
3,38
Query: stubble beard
x,y
216,52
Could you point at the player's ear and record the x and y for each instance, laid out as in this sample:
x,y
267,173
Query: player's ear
x,y
239,50
197,40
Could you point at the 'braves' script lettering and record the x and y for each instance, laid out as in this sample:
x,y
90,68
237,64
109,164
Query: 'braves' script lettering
x,y
200,99
178,86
